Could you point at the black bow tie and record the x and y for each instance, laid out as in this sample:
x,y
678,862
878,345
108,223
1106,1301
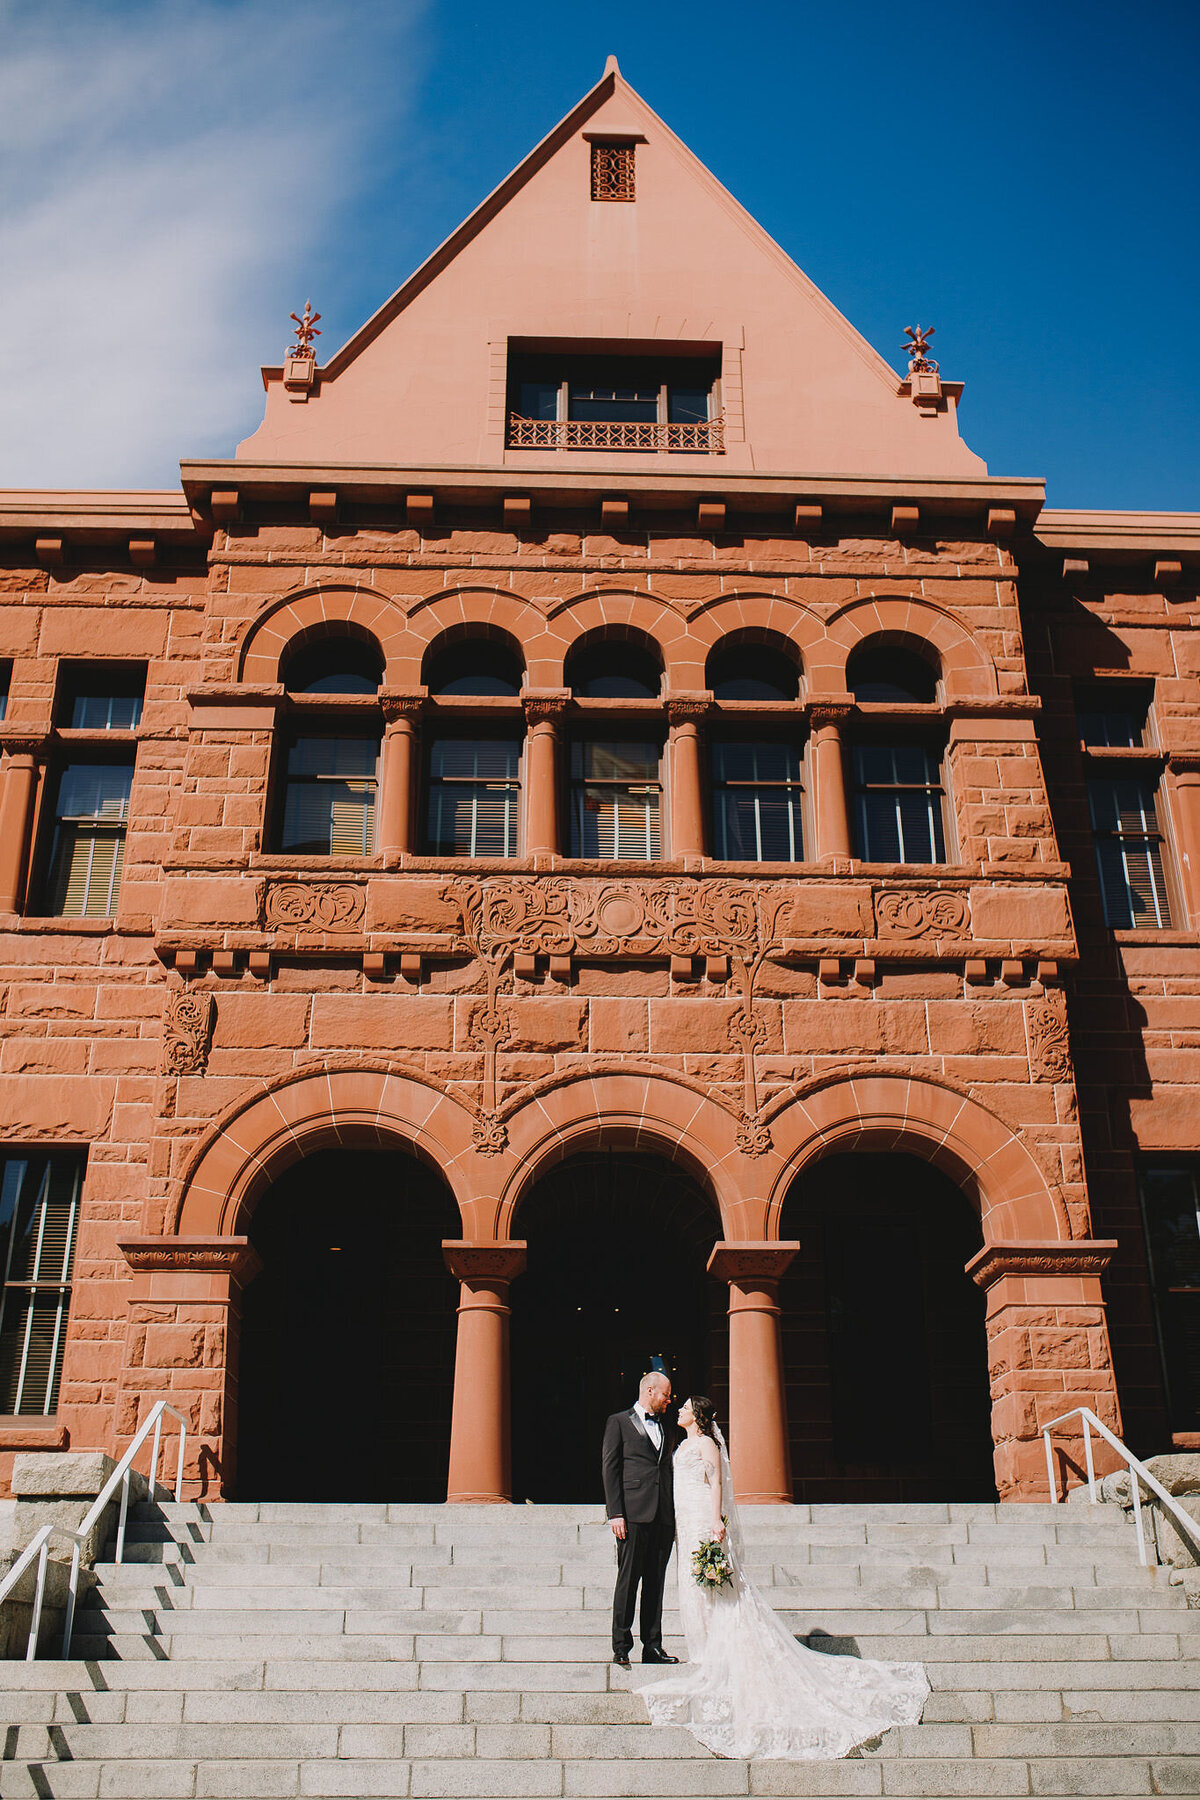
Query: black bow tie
x,y
650,1421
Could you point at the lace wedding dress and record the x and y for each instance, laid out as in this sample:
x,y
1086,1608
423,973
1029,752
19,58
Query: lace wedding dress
x,y
748,1688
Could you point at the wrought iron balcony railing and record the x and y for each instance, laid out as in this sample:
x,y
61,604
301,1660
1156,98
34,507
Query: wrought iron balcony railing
x,y
707,438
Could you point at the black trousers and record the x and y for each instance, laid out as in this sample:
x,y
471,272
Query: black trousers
x,y
642,1558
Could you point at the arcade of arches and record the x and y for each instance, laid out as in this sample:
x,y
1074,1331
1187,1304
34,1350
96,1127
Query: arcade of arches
x,y
376,1352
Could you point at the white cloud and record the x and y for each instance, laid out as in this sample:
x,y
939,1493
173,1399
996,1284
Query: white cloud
x,y
169,168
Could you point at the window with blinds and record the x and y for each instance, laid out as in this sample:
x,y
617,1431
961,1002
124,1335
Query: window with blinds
x,y
898,804
616,800
1170,1196
329,796
88,849
757,803
474,797
1112,720
101,696
39,1216
1129,851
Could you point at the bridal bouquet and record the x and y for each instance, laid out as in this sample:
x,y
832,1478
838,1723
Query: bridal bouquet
x,y
710,1565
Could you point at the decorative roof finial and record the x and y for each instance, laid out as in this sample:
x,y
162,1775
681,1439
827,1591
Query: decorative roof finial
x,y
918,362
306,331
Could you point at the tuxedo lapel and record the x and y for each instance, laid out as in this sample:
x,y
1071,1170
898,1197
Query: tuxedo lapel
x,y
640,1425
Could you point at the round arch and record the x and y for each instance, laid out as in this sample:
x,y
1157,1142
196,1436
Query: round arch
x,y
652,1113
759,615
966,667
931,1119
356,610
261,1136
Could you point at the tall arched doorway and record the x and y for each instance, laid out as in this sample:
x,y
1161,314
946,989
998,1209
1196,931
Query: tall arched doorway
x,y
616,1275
346,1363
884,1347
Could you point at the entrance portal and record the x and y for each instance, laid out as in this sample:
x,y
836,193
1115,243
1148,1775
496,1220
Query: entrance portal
x,y
884,1345
616,1275
347,1344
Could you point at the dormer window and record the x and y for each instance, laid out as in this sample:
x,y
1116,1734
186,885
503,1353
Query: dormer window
x,y
598,402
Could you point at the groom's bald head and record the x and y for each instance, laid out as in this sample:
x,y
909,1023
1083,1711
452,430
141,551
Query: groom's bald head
x,y
654,1391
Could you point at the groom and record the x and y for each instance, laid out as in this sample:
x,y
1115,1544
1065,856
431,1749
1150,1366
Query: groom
x,y
639,1501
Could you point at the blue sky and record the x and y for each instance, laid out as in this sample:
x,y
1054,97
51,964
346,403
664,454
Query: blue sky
x,y
176,177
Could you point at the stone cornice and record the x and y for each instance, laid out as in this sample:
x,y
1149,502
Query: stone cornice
x,y
752,1260
233,1256
473,1260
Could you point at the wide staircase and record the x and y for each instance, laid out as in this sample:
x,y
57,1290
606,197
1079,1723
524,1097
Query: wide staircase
x,y
279,1649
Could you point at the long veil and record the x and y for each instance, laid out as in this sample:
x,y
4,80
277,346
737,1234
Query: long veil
x,y
729,1505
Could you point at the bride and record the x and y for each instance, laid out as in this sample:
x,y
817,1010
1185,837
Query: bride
x,y
749,1689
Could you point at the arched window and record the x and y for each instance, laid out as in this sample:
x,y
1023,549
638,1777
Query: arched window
x,y
334,665
891,672
752,670
477,665
615,668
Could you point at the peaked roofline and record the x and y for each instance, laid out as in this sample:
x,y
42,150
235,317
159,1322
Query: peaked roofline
x,y
609,83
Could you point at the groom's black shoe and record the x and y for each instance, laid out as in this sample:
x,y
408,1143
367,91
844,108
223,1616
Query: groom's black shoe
x,y
658,1656
620,1662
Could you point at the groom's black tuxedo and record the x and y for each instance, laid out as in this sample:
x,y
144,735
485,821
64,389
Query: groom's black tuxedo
x,y
639,1488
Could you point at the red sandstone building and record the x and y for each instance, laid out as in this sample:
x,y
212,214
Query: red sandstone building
x,y
601,831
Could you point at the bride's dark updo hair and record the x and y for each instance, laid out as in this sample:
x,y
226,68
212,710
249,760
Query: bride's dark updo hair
x,y
704,1412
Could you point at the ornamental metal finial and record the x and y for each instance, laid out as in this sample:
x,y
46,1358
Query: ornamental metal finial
x,y
306,331
918,362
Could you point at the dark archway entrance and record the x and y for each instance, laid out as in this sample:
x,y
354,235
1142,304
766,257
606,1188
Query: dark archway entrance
x,y
618,1245
347,1343
884,1345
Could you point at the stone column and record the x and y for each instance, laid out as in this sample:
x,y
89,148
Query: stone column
x,y
401,710
830,808
181,1346
1048,1352
758,1437
480,1431
18,786
684,712
544,708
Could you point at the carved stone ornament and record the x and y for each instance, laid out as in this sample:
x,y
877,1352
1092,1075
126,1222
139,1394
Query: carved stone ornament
x,y
192,1255
489,1134
473,1260
314,906
753,1137
560,916
187,1032
1071,1256
747,1031
905,913
1049,1038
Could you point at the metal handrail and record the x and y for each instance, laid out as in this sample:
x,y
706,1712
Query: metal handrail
x,y
1138,1470
76,1536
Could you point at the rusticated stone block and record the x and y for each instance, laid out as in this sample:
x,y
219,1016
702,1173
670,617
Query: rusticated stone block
x,y
382,1022
174,1347
261,1021
617,1025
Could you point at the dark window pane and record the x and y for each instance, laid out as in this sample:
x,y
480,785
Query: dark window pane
x,y
334,665
1129,854
329,799
687,406
614,671
539,399
1170,1201
39,1208
890,672
101,696
898,803
474,666
751,672
474,797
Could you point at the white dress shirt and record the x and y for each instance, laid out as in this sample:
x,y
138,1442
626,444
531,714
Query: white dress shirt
x,y
653,1427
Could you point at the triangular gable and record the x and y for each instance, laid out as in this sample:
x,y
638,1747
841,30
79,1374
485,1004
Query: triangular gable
x,y
424,380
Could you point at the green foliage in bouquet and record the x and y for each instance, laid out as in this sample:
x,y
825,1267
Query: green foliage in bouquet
x,y
711,1567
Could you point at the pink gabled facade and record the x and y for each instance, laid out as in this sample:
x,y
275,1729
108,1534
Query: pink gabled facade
x,y
601,764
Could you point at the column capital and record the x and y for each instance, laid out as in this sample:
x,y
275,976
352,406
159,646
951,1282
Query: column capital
x,y
401,704
544,706
1036,1256
23,743
232,1256
474,1260
830,710
687,707
752,1261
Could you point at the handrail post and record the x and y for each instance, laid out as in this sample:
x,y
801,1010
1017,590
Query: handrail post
x,y
123,1513
179,1464
158,1419
39,1594
1137,1516
1051,1477
1087,1455
72,1595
